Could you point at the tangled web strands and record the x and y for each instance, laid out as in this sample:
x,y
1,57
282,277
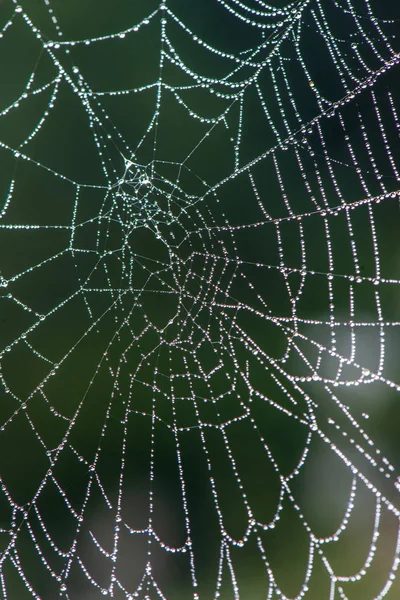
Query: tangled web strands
x,y
199,227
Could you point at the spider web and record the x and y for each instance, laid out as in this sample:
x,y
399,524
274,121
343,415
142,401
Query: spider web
x,y
199,299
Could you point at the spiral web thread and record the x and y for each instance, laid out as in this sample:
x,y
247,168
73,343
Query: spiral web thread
x,y
203,283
